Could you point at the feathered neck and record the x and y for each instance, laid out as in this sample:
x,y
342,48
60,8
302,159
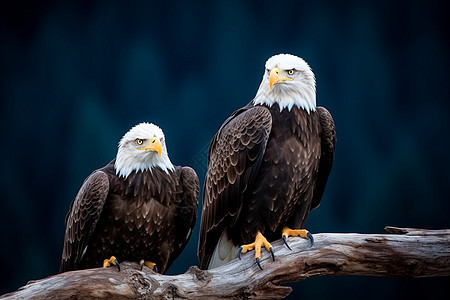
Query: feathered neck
x,y
300,94
127,162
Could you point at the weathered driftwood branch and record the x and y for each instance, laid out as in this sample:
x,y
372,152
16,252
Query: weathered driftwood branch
x,y
404,252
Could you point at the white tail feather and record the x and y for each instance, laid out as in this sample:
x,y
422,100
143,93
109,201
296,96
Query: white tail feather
x,y
224,252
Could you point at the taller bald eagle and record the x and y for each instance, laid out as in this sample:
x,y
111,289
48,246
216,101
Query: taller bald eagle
x,y
139,207
267,166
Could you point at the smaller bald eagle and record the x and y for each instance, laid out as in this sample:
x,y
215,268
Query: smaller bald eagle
x,y
139,207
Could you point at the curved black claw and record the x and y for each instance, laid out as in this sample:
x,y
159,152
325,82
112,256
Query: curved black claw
x,y
311,238
117,263
155,268
273,254
239,252
258,263
285,242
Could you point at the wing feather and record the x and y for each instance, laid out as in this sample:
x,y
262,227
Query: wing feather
x,y
82,218
186,211
235,155
328,144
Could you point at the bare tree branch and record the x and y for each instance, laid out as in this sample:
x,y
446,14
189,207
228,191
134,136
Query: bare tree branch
x,y
405,252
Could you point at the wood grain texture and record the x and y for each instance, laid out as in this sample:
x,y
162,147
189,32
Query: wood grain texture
x,y
405,252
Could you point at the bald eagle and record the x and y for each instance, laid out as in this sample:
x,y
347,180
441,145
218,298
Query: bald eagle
x,y
139,207
267,166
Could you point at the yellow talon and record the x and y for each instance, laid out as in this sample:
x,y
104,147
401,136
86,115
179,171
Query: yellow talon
x,y
111,261
260,240
149,264
303,233
295,232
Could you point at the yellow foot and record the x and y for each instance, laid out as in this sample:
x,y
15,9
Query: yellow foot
x,y
149,264
111,261
287,232
260,240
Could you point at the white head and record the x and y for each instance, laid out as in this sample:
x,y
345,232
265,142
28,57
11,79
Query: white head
x,y
288,80
142,148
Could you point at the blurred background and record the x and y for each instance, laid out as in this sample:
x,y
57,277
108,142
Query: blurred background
x,y
76,75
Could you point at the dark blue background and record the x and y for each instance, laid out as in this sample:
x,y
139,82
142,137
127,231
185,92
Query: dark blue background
x,y
75,76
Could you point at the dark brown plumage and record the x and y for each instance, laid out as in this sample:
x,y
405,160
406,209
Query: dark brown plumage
x,y
148,215
266,170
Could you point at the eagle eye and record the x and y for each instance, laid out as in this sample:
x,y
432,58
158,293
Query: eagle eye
x,y
139,141
290,72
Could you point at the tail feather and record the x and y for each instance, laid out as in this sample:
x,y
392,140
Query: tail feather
x,y
224,252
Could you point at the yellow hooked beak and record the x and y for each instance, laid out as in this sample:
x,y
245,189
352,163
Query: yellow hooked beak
x,y
155,146
275,77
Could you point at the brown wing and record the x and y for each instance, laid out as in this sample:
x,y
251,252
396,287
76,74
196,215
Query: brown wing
x,y
82,218
328,143
235,155
186,211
